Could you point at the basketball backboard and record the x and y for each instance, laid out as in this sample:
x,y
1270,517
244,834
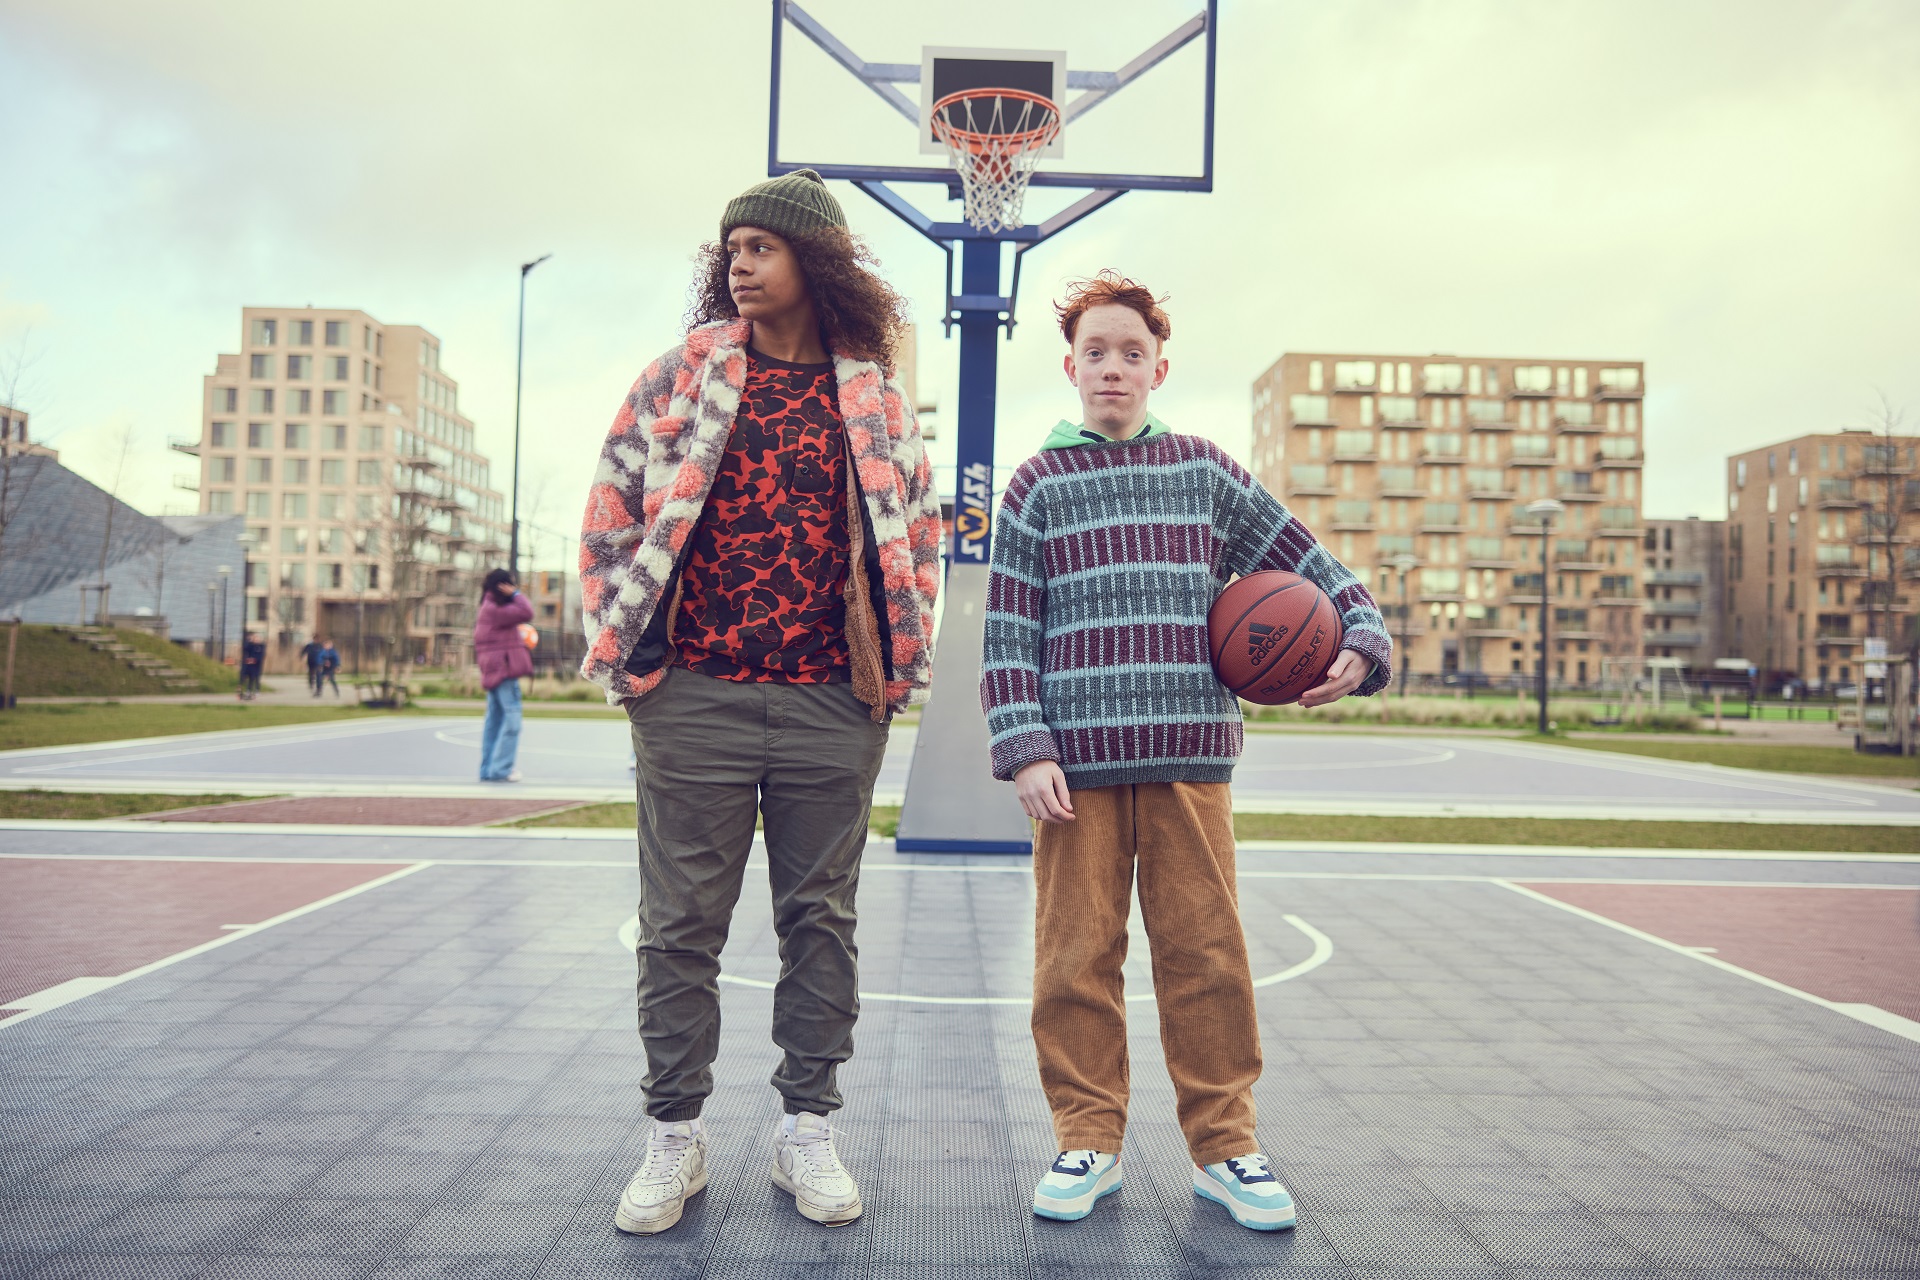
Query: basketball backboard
x,y
853,83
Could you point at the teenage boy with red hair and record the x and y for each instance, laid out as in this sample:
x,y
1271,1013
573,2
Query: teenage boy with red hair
x,y
1104,712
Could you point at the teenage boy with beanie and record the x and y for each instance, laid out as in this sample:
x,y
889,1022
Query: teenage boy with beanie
x,y
1104,712
758,565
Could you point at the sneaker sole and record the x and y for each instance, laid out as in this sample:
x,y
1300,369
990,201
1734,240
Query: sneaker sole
x,y
1080,1206
654,1226
1252,1219
813,1213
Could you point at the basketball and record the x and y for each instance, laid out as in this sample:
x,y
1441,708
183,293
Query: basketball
x,y
1272,635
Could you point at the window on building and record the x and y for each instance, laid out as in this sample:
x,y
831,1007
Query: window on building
x,y
337,368
220,435
259,470
1443,377
220,502
330,506
259,366
226,399
222,470
300,333
296,471
293,506
333,403
293,573
262,332
295,435
1532,377
1580,381
299,400
260,400
1316,376
260,506
377,372
336,333
329,542
1563,381
1311,409
299,367
366,373
368,472
333,471
333,437
366,338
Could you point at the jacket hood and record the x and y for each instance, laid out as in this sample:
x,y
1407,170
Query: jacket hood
x,y
1068,435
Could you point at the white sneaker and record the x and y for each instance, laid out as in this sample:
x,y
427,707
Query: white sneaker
x,y
805,1164
514,776
676,1167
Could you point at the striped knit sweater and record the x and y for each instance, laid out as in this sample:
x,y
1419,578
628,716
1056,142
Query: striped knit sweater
x,y
1106,558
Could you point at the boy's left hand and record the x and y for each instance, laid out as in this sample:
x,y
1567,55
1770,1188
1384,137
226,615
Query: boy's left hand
x,y
1343,677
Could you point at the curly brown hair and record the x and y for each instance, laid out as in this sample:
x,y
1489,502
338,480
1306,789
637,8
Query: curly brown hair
x,y
860,314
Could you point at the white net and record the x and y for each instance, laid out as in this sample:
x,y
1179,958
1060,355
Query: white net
x,y
993,137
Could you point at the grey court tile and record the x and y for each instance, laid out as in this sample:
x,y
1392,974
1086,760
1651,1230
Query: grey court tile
x,y
1693,1241
1570,1241
361,1228
196,1225
1841,1243
509,1267
252,1266
94,1266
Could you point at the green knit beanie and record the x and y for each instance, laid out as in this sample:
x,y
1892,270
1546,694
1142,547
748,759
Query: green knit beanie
x,y
791,203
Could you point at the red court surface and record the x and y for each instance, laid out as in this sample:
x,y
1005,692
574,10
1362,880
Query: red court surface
x,y
61,918
368,811
1848,945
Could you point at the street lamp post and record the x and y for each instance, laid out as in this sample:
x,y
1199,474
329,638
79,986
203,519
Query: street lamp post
x,y
1403,565
213,597
1544,511
519,360
226,573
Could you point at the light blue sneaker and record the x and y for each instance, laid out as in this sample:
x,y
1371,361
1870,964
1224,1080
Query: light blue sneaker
x,y
1077,1180
1248,1190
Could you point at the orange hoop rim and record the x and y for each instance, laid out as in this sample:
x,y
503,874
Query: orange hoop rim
x,y
1020,140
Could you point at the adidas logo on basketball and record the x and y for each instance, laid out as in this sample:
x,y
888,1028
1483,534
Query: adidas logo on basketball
x,y
1262,640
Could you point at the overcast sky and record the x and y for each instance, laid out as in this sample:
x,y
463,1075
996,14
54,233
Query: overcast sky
x,y
1728,190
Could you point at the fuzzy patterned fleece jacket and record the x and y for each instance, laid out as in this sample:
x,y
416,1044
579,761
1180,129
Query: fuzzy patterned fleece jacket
x,y
1106,557
665,447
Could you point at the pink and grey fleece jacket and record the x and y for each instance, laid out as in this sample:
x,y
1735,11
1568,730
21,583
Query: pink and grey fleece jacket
x,y
1106,558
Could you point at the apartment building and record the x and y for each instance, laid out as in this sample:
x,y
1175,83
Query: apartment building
x,y
14,439
1821,553
1416,472
1685,581
369,512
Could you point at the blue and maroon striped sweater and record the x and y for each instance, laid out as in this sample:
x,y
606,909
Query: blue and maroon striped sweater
x,y
1106,559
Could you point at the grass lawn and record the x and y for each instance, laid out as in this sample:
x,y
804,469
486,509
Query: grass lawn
x,y
1540,831
1779,758
81,804
49,663
61,724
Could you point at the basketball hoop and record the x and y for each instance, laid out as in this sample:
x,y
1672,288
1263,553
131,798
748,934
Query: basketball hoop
x,y
993,137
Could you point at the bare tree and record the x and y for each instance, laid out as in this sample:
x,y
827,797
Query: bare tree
x,y
113,501
1882,461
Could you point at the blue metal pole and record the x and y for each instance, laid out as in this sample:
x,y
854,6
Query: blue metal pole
x,y
979,381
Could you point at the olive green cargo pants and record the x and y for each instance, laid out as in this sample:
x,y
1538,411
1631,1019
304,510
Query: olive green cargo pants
x,y
709,754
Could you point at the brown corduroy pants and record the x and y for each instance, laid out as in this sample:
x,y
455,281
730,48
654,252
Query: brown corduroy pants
x,y
1180,834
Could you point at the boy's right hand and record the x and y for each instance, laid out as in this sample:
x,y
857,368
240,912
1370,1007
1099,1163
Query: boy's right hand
x,y
1042,789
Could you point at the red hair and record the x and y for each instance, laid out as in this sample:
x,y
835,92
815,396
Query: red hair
x,y
1110,288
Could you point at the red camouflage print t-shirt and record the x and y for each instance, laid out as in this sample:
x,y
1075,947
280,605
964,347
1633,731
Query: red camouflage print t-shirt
x,y
761,594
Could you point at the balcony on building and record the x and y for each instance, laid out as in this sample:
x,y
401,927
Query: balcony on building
x,y
1311,411
1444,446
185,444
1443,379
1673,608
1910,562
1576,415
1575,554
1673,639
1399,411
1400,482
1309,479
1577,486
1836,491
1488,553
1616,590
1884,460
1618,451
1619,522
1490,415
1440,517
1531,451
1352,517
1359,376
1835,560
1675,578
1618,384
1911,495
1488,482
1881,529
1354,445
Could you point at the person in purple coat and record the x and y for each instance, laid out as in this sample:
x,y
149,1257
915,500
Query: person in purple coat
x,y
503,658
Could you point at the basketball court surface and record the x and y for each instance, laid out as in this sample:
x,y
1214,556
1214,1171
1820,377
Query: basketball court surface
x,y
314,1053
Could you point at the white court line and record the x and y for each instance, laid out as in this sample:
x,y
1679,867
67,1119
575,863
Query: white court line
x,y
193,744
629,936
1582,808
78,988
1440,756
1872,1015
1661,767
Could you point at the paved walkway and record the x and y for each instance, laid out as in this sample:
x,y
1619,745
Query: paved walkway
x,y
412,1057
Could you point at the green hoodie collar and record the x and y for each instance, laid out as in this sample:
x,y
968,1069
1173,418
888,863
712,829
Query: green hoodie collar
x,y
1068,435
